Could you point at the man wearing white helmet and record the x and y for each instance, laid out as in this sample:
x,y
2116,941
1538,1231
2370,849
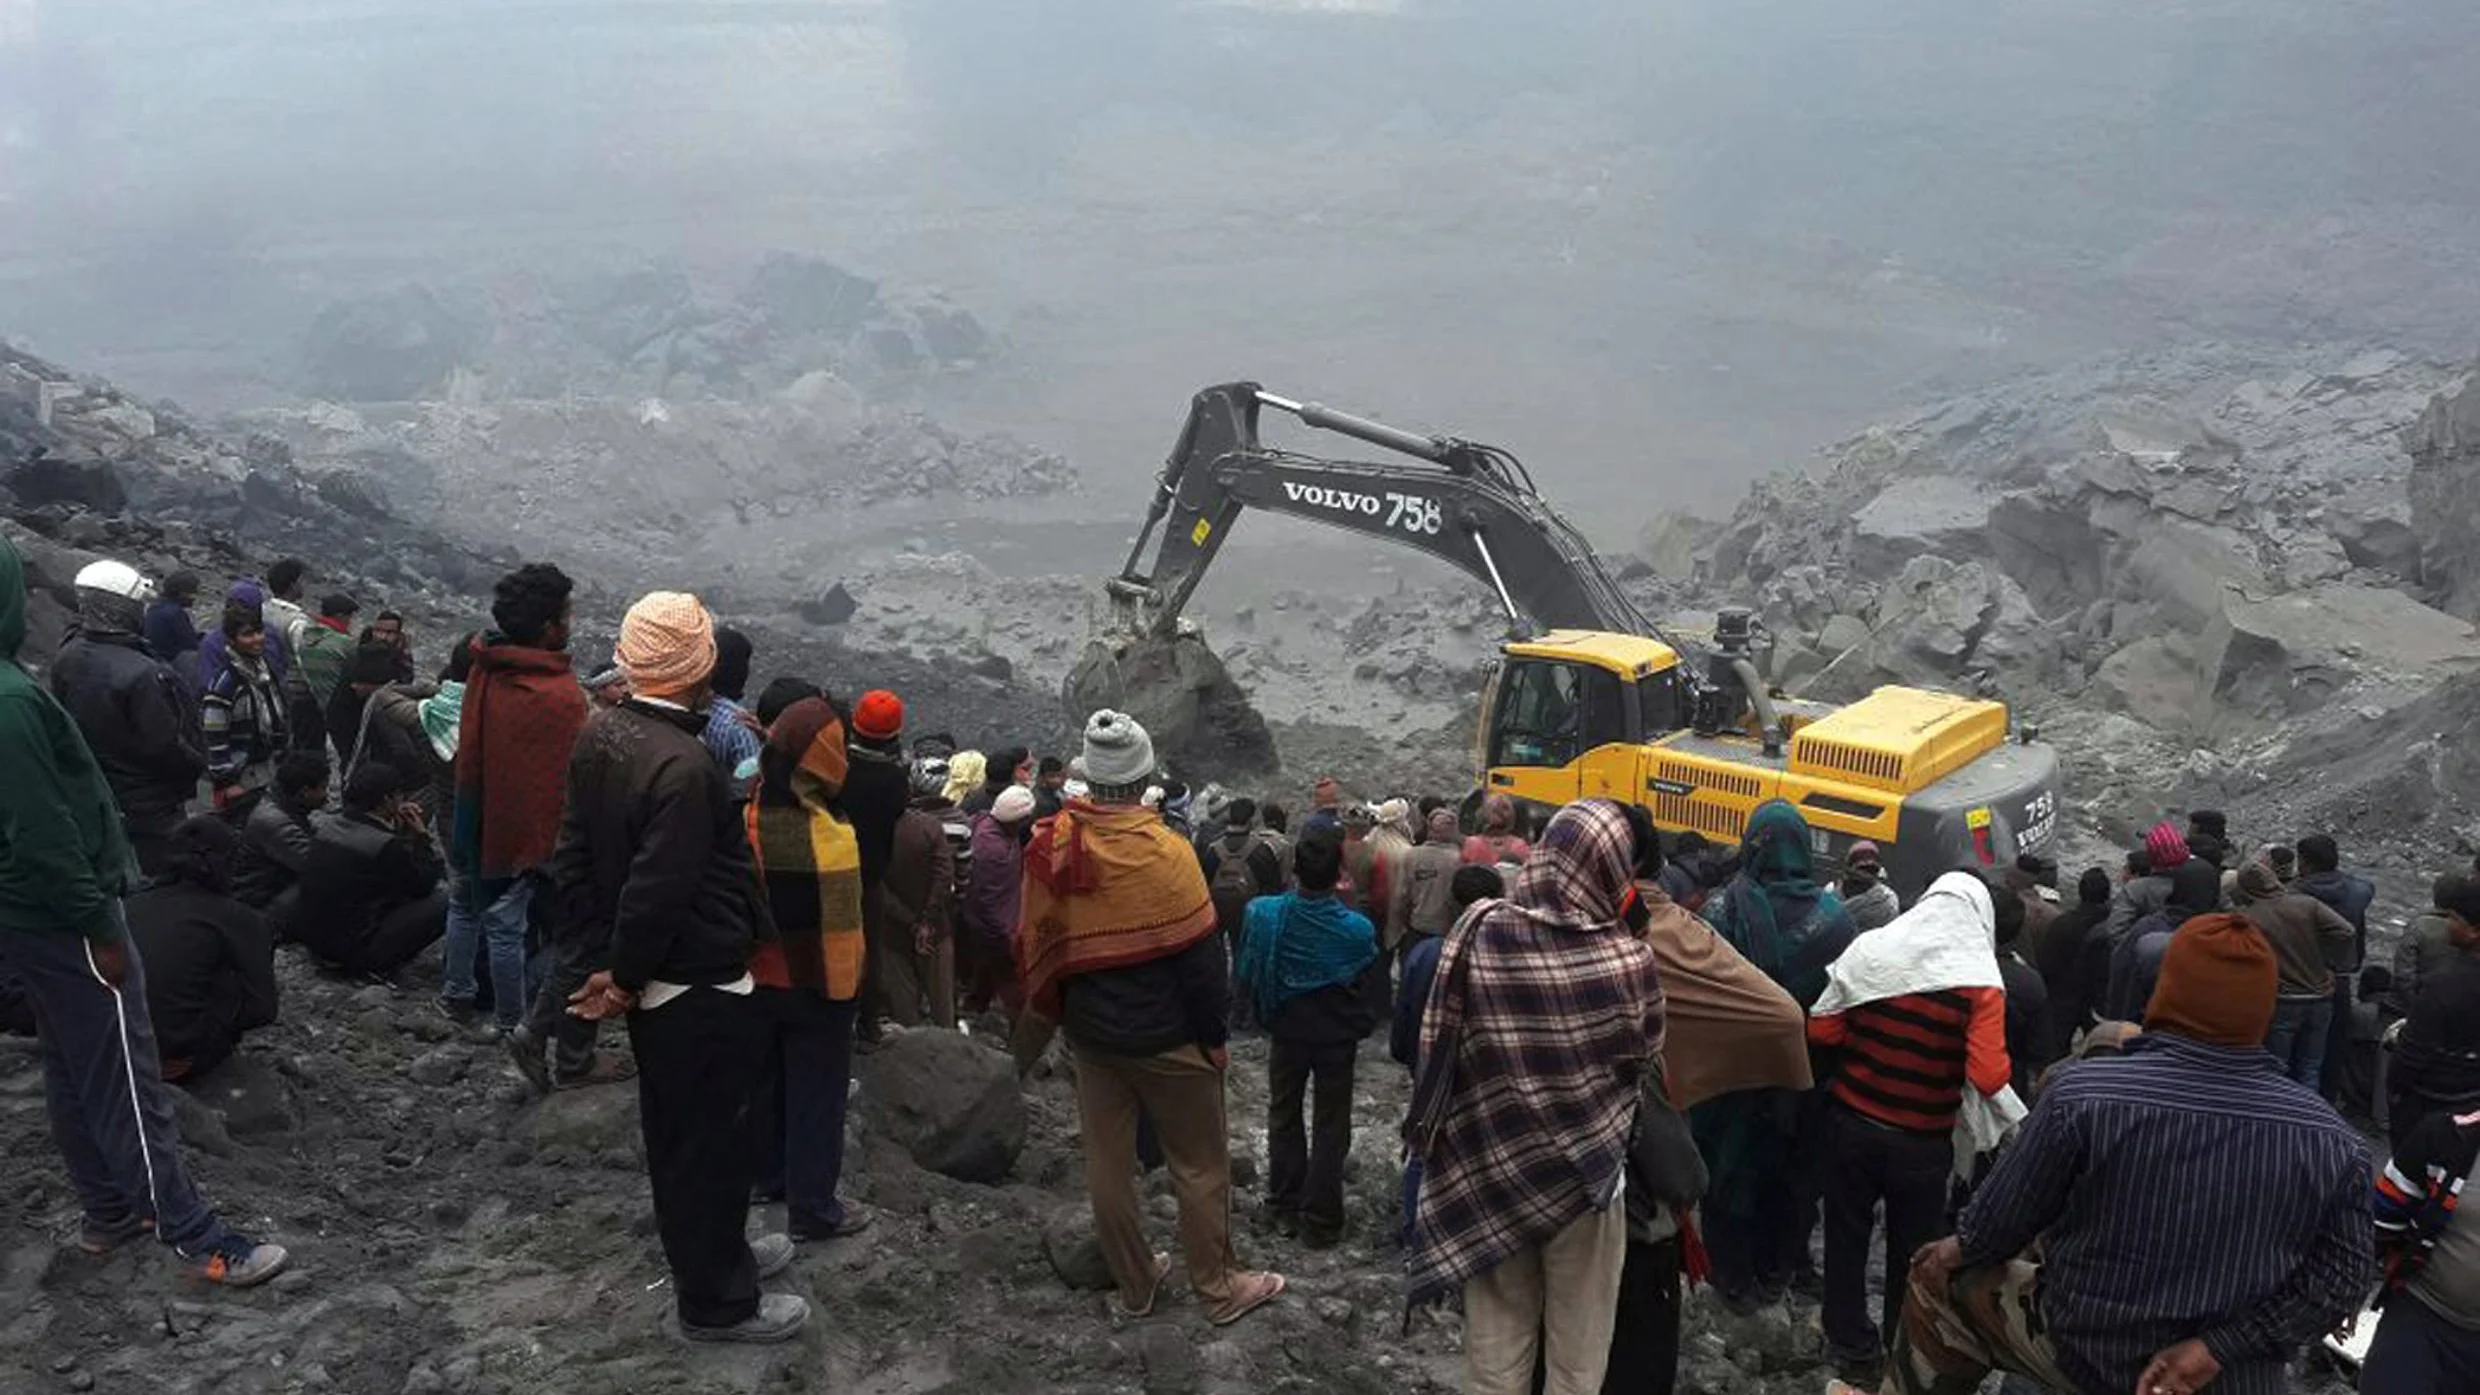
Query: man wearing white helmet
x,y
132,709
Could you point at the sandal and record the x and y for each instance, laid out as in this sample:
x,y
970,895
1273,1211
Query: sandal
x,y
1162,1271
1250,1292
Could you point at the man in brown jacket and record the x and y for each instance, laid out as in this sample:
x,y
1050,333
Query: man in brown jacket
x,y
933,848
2308,938
1423,897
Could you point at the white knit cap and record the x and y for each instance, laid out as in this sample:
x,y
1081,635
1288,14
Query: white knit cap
x,y
1118,753
1014,805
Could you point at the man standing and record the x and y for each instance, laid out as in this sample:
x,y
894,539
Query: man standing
x,y
2321,876
288,624
927,869
1424,899
520,717
321,664
64,864
653,862
2308,938
1119,948
1868,898
1316,981
2200,1215
131,709
877,789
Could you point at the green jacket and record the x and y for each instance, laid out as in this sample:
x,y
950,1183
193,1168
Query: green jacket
x,y
64,861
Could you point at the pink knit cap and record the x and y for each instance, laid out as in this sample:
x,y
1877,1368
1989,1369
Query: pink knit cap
x,y
2166,848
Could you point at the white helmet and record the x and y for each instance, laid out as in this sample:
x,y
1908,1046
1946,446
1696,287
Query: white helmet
x,y
116,579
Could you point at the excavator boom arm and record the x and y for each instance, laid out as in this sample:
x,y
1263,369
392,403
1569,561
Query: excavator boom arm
x,y
1465,504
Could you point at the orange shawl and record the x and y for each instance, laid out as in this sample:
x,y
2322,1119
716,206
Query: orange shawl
x,y
1730,1027
1105,887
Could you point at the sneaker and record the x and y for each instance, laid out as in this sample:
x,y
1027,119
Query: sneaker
x,y
237,1261
852,1222
778,1319
773,1254
531,1062
99,1238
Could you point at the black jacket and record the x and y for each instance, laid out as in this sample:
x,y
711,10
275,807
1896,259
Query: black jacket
x,y
877,791
652,859
140,721
1339,1015
275,847
210,967
358,872
1146,1009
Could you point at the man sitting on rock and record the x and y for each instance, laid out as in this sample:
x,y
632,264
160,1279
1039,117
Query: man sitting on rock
x,y
654,861
210,961
2200,1216
131,708
1119,948
275,842
370,892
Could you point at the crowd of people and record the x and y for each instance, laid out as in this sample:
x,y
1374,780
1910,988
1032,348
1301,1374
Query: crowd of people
x,y
2095,1133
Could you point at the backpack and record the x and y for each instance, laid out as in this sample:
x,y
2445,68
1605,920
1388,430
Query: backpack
x,y
1281,846
1234,885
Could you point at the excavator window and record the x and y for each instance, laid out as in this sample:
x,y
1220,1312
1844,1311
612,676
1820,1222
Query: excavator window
x,y
1551,713
1659,696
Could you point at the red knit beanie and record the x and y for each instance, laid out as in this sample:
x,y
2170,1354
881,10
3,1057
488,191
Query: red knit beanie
x,y
2166,848
878,716
2217,985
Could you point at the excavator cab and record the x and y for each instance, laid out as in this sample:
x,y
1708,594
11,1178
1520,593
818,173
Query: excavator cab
x,y
1591,698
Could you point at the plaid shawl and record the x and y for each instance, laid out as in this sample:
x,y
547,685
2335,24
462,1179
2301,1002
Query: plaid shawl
x,y
1543,1016
521,715
1105,887
809,862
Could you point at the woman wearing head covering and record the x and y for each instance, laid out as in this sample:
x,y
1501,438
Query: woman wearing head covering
x,y
1763,1204
809,976
1544,1016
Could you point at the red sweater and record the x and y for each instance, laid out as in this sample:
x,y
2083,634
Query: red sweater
x,y
1906,1060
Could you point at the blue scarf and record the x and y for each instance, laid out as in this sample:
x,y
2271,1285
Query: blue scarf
x,y
1294,945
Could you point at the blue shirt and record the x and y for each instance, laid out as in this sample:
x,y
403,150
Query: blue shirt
x,y
733,742
2182,1191
1412,999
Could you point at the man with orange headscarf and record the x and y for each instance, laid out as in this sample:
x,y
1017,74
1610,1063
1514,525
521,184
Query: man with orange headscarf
x,y
654,857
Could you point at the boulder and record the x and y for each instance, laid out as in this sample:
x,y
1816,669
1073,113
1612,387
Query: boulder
x,y
1668,542
586,1124
2288,654
2152,680
2445,495
250,1096
1075,1255
949,1101
390,347
78,480
1203,725
833,606
1940,515
810,295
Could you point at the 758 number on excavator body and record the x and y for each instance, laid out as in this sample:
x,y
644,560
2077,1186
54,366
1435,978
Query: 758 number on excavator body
x,y
1410,512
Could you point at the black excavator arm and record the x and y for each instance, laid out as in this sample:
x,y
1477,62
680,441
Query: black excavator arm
x,y
1469,505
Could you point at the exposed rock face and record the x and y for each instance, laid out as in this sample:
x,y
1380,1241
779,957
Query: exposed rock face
x,y
1203,725
387,348
951,1102
2445,496
2293,653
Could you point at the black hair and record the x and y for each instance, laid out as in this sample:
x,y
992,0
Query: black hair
x,y
339,606
1001,771
1318,864
201,852
782,693
1646,854
1240,813
2212,821
301,770
2139,862
2465,902
2010,910
2317,853
284,578
180,586
1474,882
370,783
530,600
1689,841
460,664
1052,765
1275,817
732,654
2093,888
2205,844
239,620
1174,791
2441,892
2285,860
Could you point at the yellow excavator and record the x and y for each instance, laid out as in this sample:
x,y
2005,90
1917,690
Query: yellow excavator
x,y
1590,699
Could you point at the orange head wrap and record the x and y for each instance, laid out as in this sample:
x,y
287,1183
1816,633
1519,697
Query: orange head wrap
x,y
667,644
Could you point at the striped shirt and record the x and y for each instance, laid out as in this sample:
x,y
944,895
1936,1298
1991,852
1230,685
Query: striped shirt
x,y
1906,1060
2182,1191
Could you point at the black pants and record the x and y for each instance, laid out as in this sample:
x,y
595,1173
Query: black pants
x,y
572,1039
1868,1163
401,934
2416,1352
1644,1347
797,1116
1304,1171
150,839
698,1062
